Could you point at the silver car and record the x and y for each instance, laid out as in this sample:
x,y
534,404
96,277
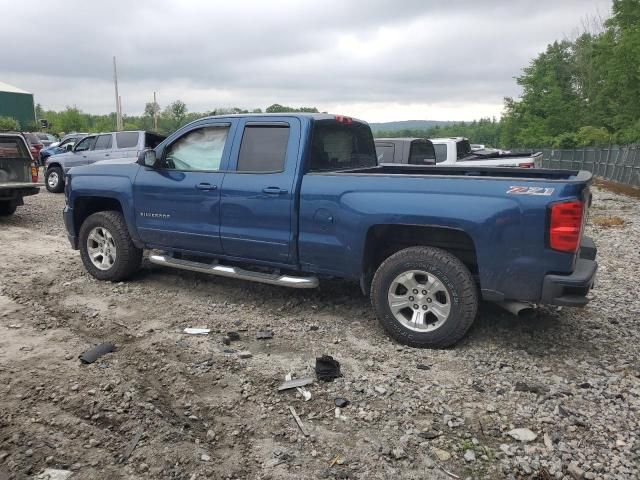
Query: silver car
x,y
94,148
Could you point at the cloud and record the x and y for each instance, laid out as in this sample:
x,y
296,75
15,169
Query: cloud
x,y
377,59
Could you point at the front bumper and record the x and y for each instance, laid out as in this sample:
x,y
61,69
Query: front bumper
x,y
67,214
571,290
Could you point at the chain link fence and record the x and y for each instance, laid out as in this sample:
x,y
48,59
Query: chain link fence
x,y
620,164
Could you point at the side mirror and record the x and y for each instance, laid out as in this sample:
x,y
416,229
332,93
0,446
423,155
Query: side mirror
x,y
68,147
147,158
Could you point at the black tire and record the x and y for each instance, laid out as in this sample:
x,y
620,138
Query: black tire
x,y
128,257
7,208
451,272
51,174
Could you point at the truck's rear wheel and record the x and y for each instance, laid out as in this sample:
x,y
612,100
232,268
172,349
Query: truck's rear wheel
x,y
106,249
7,208
424,297
54,179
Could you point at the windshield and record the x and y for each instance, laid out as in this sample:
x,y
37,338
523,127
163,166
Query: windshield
x,y
340,146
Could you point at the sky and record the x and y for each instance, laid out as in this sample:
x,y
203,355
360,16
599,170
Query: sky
x,y
377,60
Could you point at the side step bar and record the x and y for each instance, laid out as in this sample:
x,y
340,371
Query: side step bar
x,y
235,272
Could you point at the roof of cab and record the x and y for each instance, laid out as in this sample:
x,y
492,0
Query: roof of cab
x,y
313,116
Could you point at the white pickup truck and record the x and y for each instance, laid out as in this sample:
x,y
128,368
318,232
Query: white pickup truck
x,y
450,151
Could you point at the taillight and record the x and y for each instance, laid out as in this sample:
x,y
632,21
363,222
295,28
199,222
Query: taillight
x,y
34,173
565,226
525,165
343,119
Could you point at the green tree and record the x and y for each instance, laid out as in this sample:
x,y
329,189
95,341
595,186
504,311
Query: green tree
x,y
9,123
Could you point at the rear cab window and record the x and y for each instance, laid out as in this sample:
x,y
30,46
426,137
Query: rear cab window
x,y
421,153
342,145
463,149
13,147
127,139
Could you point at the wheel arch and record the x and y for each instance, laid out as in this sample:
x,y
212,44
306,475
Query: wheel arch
x,y
384,240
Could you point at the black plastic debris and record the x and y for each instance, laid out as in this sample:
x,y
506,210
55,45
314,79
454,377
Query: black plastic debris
x,y
96,352
341,402
233,336
327,368
422,366
264,335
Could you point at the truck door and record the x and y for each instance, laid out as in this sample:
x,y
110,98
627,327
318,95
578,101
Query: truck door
x,y
177,203
81,154
257,203
102,148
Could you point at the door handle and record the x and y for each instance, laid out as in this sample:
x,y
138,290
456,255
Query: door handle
x,y
274,190
106,154
206,186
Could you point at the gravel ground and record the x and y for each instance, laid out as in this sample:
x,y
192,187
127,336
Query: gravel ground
x,y
200,409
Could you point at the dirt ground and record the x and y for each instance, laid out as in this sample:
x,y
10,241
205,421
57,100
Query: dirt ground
x,y
200,410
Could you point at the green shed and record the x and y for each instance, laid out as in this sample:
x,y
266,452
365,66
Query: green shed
x,y
18,104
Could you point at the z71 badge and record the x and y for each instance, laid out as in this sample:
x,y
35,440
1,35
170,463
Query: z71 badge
x,y
530,191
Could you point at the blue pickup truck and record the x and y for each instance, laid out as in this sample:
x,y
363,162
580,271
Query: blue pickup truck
x,y
287,199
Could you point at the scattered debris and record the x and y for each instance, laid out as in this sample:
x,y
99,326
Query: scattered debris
x,y
245,354
429,434
423,366
335,460
531,387
53,474
233,336
522,434
380,390
96,352
205,458
15,325
327,368
306,394
295,383
341,402
314,328
298,421
470,455
264,334
197,331
132,445
442,455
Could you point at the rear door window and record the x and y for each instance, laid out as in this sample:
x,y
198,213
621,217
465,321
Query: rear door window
x,y
421,153
127,139
341,146
441,152
103,142
463,148
263,148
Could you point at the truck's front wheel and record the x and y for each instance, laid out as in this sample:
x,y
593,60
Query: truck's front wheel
x,y
424,297
54,179
106,249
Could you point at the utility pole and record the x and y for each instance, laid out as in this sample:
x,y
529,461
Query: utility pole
x,y
121,126
118,111
155,113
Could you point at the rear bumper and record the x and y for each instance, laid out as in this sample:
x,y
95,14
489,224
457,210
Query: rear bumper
x,y
571,290
16,191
